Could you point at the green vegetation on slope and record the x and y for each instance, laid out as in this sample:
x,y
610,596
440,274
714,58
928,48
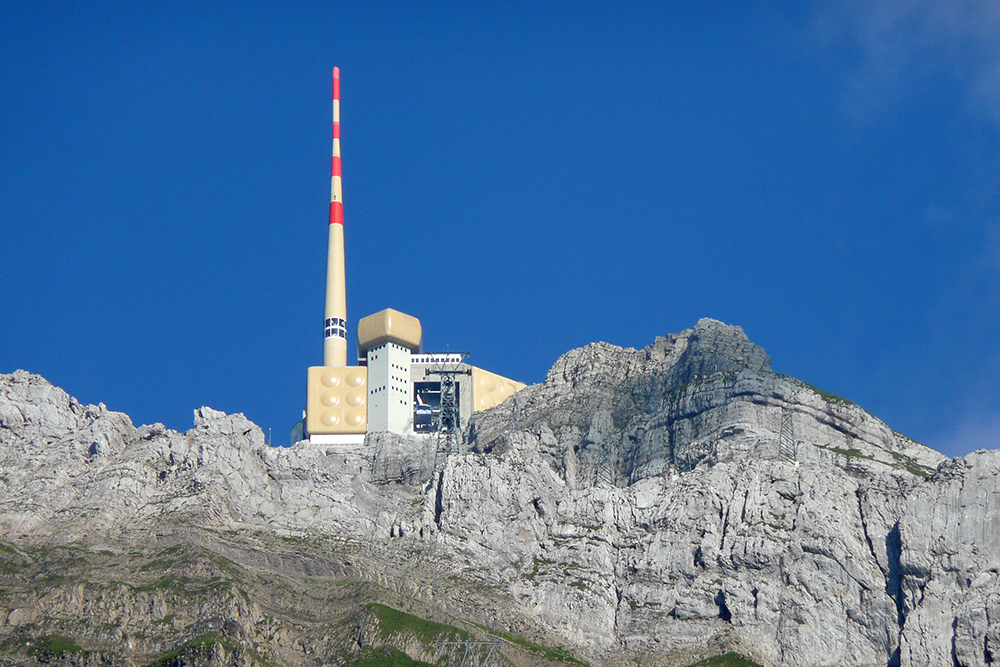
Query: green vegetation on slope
x,y
388,657
43,647
392,621
911,466
200,645
832,399
850,453
730,659
53,645
553,653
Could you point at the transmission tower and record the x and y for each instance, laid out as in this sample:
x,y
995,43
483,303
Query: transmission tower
x,y
786,439
469,654
449,433
603,472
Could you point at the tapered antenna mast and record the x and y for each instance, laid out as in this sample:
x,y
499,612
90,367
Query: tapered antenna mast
x,y
335,322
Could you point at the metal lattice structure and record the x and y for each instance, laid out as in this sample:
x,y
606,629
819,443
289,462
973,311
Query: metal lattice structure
x,y
449,431
786,438
470,653
604,473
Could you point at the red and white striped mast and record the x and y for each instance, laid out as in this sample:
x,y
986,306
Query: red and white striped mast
x,y
335,324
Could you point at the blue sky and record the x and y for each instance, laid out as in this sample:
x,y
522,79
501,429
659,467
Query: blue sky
x,y
525,178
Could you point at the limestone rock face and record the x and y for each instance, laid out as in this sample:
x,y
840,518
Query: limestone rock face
x,y
662,504
949,537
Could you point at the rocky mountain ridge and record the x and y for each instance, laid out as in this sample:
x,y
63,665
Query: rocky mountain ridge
x,y
651,506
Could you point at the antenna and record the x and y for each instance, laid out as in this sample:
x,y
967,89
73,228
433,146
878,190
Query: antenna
x,y
335,322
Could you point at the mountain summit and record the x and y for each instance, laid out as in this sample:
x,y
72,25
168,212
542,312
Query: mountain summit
x,y
654,506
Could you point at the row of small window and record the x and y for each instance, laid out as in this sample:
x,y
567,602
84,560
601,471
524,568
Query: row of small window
x,y
383,387
335,333
335,322
442,358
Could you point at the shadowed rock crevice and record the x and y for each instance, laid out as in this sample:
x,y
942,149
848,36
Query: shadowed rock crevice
x,y
724,613
954,638
893,584
439,499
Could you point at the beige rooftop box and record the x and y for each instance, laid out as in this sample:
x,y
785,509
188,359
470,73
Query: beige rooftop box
x,y
337,400
389,326
490,389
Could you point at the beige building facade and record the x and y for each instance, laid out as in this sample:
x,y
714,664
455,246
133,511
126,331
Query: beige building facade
x,y
402,386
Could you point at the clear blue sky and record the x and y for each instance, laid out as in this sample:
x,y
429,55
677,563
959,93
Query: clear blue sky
x,y
523,177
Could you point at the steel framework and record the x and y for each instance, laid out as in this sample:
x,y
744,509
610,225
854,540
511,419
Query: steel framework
x,y
469,653
786,439
449,431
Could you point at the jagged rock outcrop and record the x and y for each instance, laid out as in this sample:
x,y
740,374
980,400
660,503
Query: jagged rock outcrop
x,y
663,504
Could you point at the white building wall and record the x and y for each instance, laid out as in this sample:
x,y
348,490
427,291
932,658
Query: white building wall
x,y
390,390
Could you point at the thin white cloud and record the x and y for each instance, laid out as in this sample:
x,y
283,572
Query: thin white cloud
x,y
902,52
900,42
